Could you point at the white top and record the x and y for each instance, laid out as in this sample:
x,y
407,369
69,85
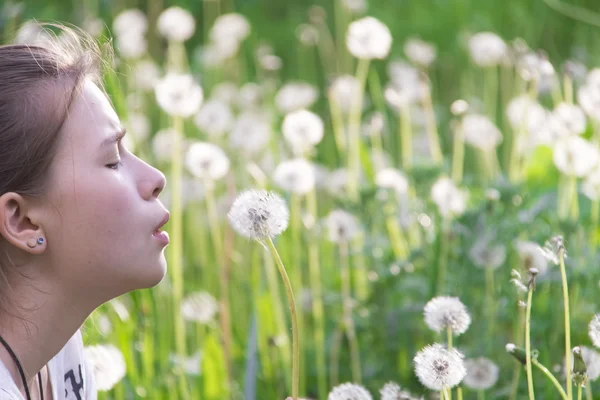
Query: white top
x,y
70,376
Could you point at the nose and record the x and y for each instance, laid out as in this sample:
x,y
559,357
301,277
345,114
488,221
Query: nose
x,y
153,183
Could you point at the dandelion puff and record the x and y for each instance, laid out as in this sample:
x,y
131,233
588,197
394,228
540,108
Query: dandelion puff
x,y
591,358
594,330
485,255
349,391
179,95
531,256
522,111
295,176
420,52
343,90
553,247
571,117
487,49
438,368
295,96
162,144
591,185
482,373
444,312
303,130
214,118
251,133
176,24
355,6
449,199
391,178
393,391
259,214
575,156
130,21
191,365
131,46
199,307
368,38
206,161
106,363
230,27
145,74
480,132
342,226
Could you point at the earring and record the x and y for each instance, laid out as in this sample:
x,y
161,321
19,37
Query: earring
x,y
31,242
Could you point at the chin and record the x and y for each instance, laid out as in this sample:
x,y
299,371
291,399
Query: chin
x,y
154,275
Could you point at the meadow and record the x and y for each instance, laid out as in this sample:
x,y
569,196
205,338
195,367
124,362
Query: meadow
x,y
384,200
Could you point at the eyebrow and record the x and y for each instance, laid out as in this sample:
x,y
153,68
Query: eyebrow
x,y
114,138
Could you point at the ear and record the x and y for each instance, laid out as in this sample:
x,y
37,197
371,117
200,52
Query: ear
x,y
18,225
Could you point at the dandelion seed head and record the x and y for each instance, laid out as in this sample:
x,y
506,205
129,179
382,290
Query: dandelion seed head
x,y
572,117
343,89
523,112
303,130
449,199
531,256
130,22
438,368
444,312
391,178
206,161
295,176
191,365
342,226
553,247
510,347
420,52
487,49
231,27
575,156
591,358
295,96
131,46
251,133
106,363
199,307
355,6
588,98
393,391
179,95
368,38
594,330
480,132
259,214
487,255
214,118
176,24
145,74
482,373
349,391
591,185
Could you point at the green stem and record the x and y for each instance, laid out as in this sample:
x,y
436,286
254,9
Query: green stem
x,y
406,137
578,392
317,301
459,393
573,199
458,155
489,289
594,233
397,239
347,311
292,305
354,129
565,286
443,257
528,343
552,378
432,132
588,391
491,91
480,395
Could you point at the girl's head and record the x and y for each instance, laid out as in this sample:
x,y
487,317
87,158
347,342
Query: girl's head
x,y
65,178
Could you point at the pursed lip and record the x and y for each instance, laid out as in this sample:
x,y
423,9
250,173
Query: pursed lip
x,y
163,221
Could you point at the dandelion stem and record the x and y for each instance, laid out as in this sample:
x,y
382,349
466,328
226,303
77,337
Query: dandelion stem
x,y
337,122
317,301
459,393
491,91
528,343
443,257
432,133
551,377
224,306
354,128
397,239
563,273
347,310
578,392
489,289
405,132
449,337
292,305
458,155
588,391
335,355
480,395
594,234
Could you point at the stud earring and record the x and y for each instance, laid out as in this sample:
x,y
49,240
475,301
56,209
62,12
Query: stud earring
x,y
31,242
40,241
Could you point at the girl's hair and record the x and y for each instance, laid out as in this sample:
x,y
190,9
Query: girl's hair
x,y
38,84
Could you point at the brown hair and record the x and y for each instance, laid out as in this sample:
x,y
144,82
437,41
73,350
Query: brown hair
x,y
38,84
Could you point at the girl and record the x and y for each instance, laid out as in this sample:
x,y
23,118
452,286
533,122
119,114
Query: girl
x,y
80,217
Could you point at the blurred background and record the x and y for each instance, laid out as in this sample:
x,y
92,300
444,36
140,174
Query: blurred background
x,y
434,164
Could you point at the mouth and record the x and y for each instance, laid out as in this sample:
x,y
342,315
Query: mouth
x,y
162,223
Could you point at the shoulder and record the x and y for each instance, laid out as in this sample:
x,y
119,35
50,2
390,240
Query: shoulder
x,y
8,389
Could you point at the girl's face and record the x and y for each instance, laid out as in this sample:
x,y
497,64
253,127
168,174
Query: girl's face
x,y
102,207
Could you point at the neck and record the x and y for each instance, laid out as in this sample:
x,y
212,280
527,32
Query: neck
x,y
45,320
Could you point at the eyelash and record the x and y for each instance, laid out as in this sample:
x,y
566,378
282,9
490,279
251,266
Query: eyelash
x,y
115,166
